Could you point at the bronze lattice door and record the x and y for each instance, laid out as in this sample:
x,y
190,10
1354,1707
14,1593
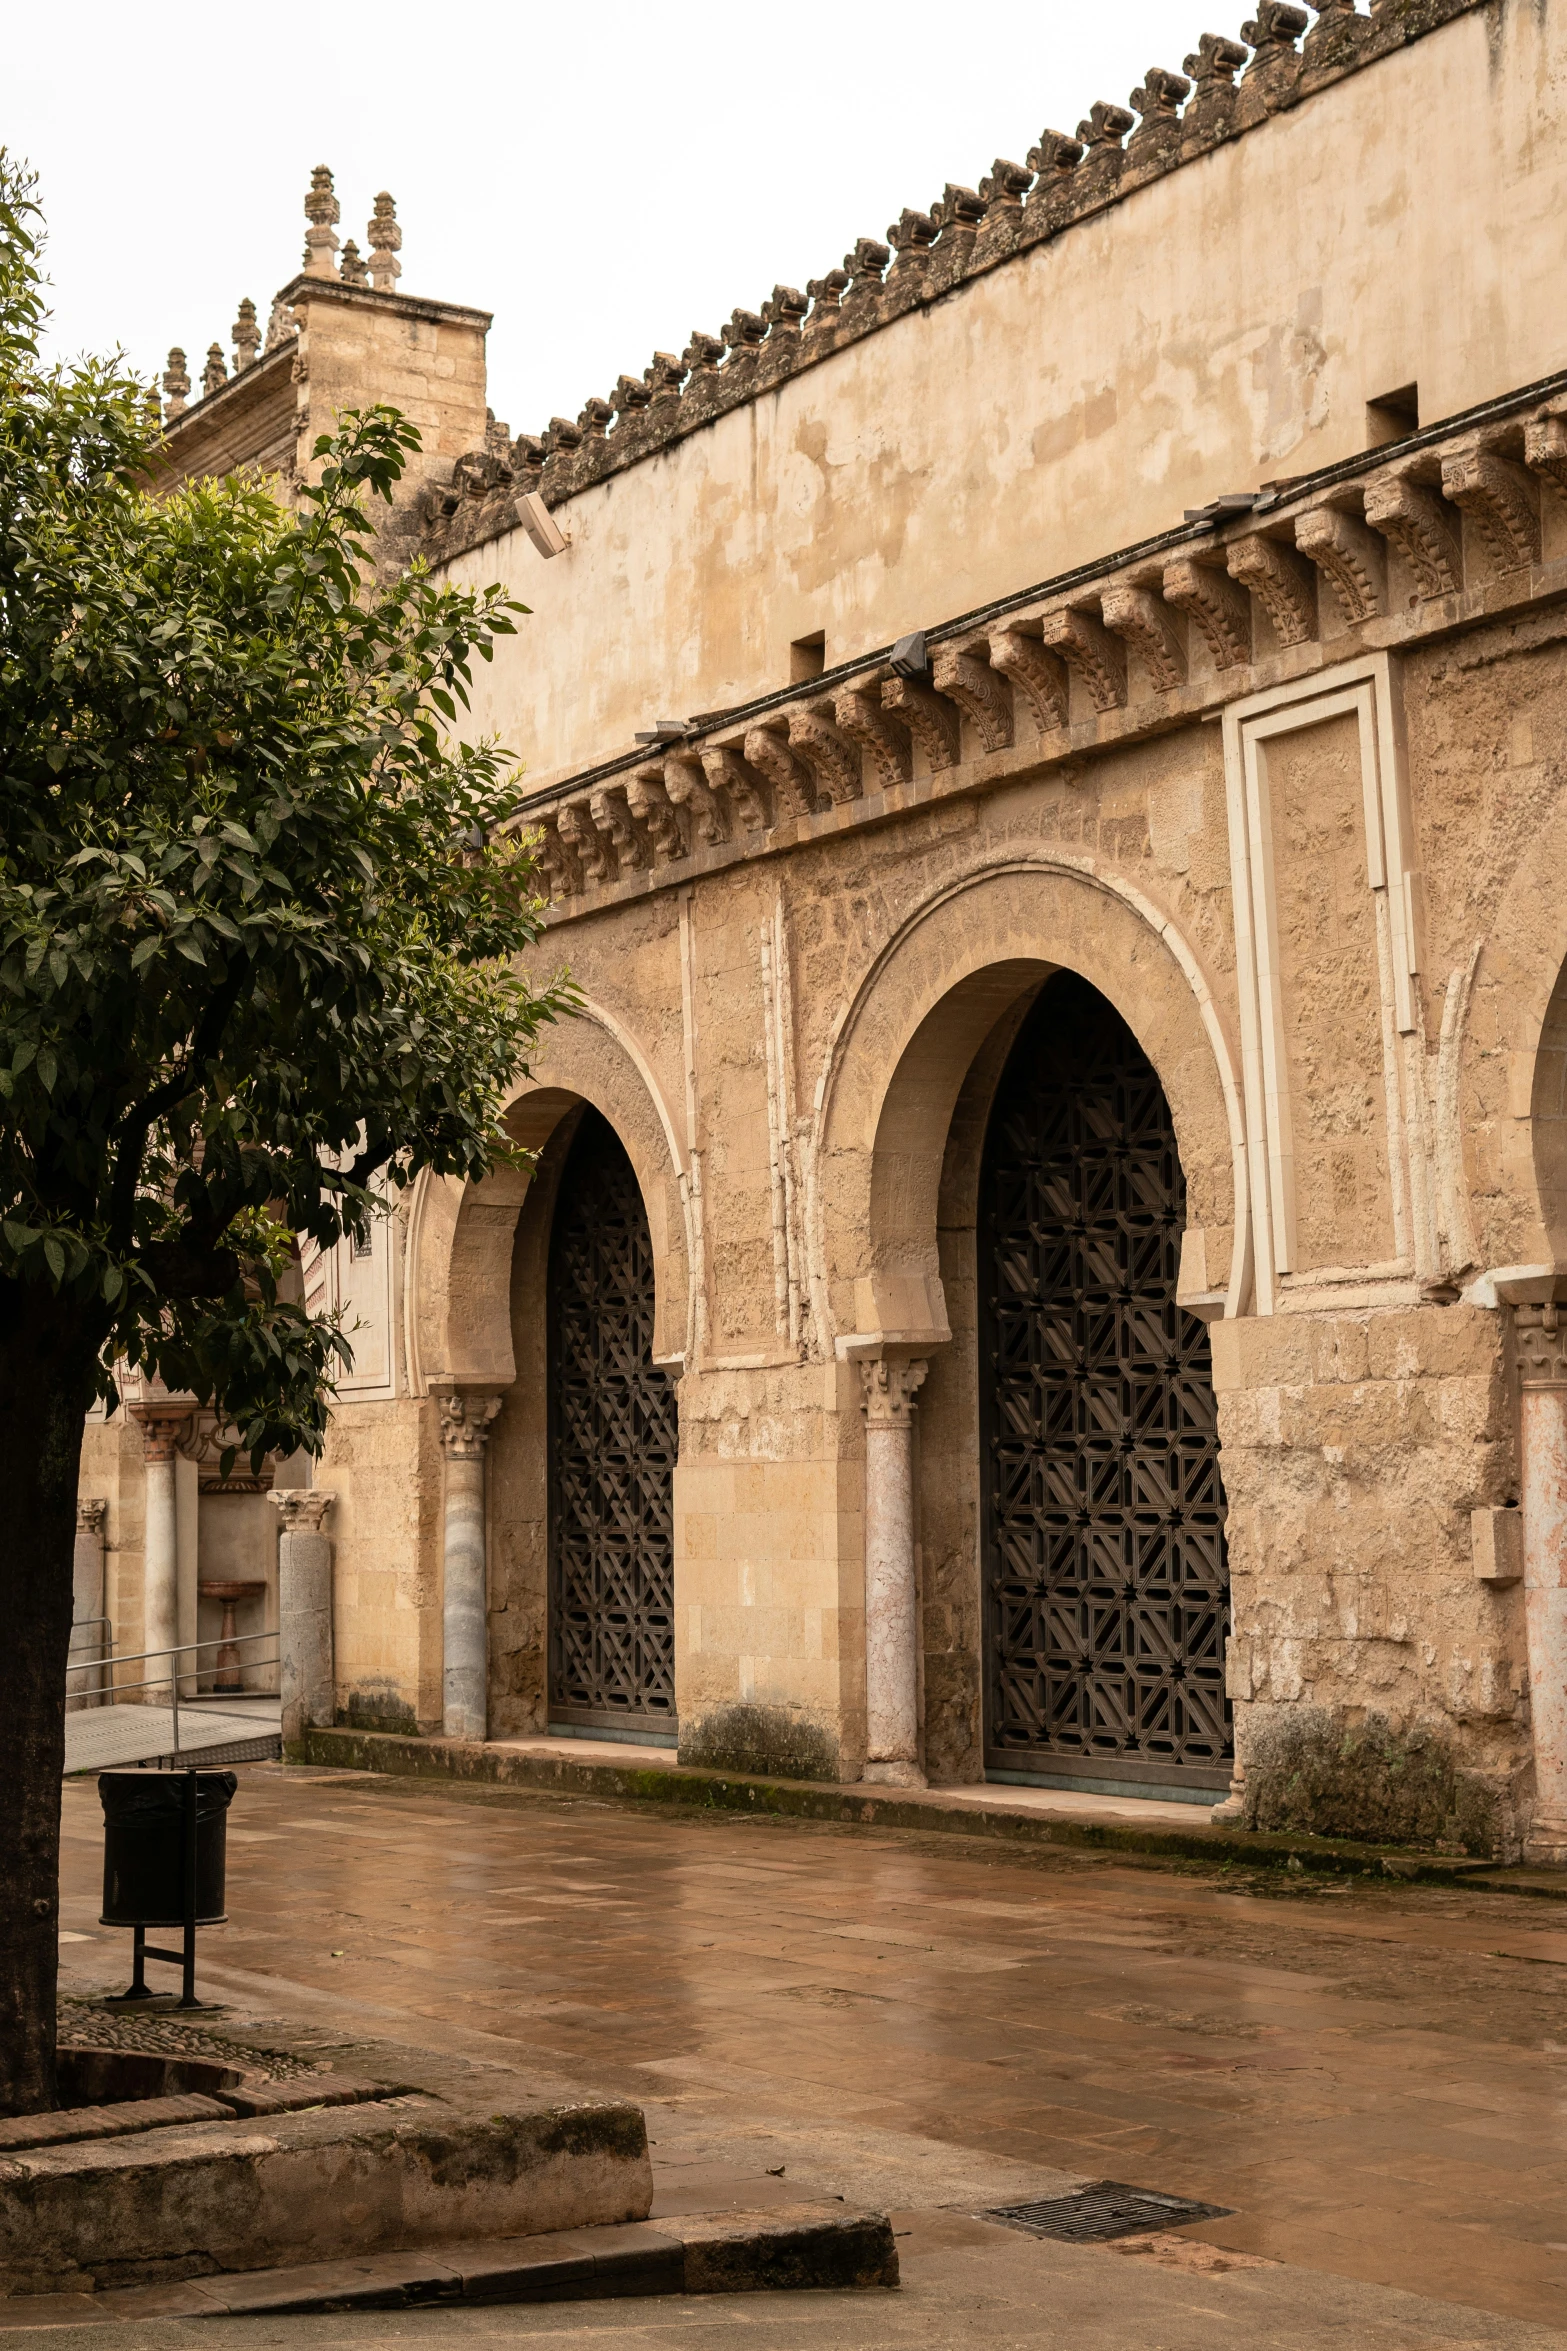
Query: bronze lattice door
x,y
612,1442
1106,1589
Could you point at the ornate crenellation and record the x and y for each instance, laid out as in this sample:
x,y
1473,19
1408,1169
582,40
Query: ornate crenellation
x,y
826,746
968,231
301,1509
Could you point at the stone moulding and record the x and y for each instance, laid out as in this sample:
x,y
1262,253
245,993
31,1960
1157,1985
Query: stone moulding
x,y
1038,681
963,236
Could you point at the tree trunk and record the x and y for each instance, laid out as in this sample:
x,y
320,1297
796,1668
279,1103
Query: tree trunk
x,y
46,1356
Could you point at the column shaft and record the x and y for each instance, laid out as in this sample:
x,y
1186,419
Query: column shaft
x,y
160,1569
1544,1449
891,1585
307,1676
465,1426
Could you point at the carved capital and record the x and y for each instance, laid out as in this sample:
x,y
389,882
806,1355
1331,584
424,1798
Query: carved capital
x,y
888,1385
90,1516
1348,556
831,757
1086,645
1417,520
930,719
301,1509
1139,616
1540,1336
963,673
860,716
1503,500
1221,609
466,1417
1283,582
162,1427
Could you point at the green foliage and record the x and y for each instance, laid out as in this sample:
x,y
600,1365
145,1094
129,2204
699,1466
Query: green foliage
x,y
258,919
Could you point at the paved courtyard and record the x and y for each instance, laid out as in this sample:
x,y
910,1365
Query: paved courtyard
x,y
1373,2077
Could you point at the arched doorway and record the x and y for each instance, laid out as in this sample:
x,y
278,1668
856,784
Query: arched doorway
x,y
1105,1586
612,1446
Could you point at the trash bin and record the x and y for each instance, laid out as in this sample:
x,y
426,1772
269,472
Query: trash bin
x,y
144,1846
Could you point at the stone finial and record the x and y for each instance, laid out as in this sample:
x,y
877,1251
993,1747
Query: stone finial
x,y
176,383
351,269
1273,31
323,212
1105,127
216,372
866,265
665,377
826,295
386,240
301,1509
246,336
911,237
784,310
152,410
281,323
703,353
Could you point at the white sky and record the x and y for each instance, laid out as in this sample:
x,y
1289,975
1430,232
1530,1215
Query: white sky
x,y
603,179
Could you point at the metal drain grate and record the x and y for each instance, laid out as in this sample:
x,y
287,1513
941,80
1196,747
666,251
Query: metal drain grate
x,y
1108,2208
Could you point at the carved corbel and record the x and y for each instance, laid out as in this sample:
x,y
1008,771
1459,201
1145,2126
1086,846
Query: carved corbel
x,y
1086,645
650,804
1416,520
1137,615
1351,559
1042,677
1503,500
964,675
860,716
930,719
729,777
583,838
1545,446
832,759
1283,582
1221,609
557,858
610,813
793,788
687,788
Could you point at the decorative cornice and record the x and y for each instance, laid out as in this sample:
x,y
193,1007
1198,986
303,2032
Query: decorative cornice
x,y
964,236
890,1383
302,1509
1540,1335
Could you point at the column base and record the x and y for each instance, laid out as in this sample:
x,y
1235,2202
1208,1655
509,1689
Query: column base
x,y
894,1775
1545,1847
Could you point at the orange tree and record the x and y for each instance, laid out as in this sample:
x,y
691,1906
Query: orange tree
x,y
259,931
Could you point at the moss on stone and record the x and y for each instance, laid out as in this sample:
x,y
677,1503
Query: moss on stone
x,y
1309,1774
765,1740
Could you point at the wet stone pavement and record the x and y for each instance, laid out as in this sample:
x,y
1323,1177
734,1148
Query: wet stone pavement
x,y
1373,2076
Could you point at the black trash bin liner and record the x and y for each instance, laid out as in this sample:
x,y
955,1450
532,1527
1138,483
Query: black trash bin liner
x,y
144,1846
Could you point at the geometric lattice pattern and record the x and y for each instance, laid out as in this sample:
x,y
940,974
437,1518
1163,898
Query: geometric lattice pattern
x,y
1107,1593
612,1445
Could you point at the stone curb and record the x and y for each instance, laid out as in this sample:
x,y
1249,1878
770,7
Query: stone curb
x,y
791,2247
401,1756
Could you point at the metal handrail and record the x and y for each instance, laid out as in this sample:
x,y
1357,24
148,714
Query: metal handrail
x,y
171,1681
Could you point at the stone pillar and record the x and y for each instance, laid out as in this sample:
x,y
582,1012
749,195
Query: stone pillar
x,y
892,1725
466,1415
161,1432
88,1598
304,1607
1541,1336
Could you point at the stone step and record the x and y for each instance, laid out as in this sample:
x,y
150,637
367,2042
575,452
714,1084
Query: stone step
x,y
816,2244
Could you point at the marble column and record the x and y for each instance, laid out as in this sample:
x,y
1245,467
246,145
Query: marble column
x,y
161,1432
307,1675
892,1725
1541,1335
87,1598
466,1417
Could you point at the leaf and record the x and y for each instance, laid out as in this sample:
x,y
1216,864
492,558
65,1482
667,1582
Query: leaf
x,y
54,1258
47,1068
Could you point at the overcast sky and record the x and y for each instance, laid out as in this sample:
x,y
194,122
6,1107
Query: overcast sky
x,y
603,179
